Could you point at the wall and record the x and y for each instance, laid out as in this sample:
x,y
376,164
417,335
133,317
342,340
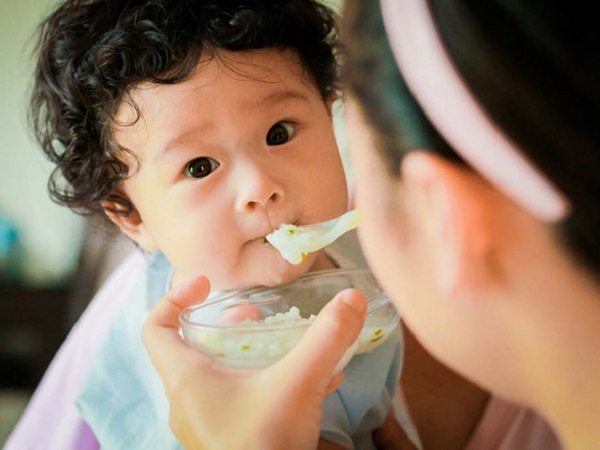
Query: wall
x,y
50,234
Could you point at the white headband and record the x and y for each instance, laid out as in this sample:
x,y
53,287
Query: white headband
x,y
451,108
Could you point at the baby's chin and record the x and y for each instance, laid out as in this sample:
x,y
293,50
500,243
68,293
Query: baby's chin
x,y
266,268
280,272
270,271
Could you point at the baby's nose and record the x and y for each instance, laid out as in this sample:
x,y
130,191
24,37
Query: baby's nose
x,y
258,188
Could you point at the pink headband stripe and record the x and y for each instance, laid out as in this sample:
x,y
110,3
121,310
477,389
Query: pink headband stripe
x,y
448,104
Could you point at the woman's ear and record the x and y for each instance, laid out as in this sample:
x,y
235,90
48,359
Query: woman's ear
x,y
132,225
457,209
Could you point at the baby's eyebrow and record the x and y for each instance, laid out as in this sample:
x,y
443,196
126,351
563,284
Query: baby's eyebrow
x,y
282,96
174,142
273,98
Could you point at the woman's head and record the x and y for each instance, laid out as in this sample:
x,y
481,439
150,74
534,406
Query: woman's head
x,y
531,69
93,53
453,245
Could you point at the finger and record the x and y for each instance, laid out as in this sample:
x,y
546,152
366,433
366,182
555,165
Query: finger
x,y
160,333
194,290
334,383
239,313
335,329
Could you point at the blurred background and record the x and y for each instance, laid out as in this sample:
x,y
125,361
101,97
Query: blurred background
x,y
38,245
51,260
40,242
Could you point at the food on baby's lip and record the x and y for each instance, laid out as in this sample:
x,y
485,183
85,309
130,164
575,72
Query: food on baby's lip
x,y
295,243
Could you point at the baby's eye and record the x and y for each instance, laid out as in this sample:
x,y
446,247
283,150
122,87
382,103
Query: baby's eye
x,y
280,133
201,167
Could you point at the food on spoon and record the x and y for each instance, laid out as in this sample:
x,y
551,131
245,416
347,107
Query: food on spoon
x,y
295,243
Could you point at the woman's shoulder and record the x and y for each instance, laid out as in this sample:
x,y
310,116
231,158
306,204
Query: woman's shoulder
x,y
506,425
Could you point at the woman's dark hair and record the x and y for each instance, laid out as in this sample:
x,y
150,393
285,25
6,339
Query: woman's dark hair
x,y
533,67
91,53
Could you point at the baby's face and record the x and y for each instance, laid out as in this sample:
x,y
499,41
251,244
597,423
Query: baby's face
x,y
227,156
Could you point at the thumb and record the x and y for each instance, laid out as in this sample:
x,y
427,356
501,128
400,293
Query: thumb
x,y
335,329
166,312
160,332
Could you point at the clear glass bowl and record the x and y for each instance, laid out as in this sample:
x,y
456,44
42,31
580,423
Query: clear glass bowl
x,y
253,328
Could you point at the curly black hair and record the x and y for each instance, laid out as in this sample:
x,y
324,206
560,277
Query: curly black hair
x,y
91,53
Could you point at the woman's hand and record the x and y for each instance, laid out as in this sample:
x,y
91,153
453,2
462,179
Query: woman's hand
x,y
215,407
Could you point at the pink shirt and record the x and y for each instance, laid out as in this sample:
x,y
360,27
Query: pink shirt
x,y
506,426
503,426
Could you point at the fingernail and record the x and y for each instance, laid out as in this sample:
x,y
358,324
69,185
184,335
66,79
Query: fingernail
x,y
180,288
354,301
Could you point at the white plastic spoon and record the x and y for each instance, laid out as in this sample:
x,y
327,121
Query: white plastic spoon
x,y
295,243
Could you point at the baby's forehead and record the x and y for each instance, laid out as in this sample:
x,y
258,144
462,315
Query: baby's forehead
x,y
262,76
229,87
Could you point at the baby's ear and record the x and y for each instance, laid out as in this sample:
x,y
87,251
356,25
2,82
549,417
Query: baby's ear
x,y
131,224
458,210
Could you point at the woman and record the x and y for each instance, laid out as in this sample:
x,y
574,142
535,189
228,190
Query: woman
x,y
476,147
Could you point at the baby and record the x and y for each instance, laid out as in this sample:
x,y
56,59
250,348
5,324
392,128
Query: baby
x,y
198,128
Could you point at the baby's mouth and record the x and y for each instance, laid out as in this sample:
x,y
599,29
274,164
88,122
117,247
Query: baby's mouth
x,y
275,229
